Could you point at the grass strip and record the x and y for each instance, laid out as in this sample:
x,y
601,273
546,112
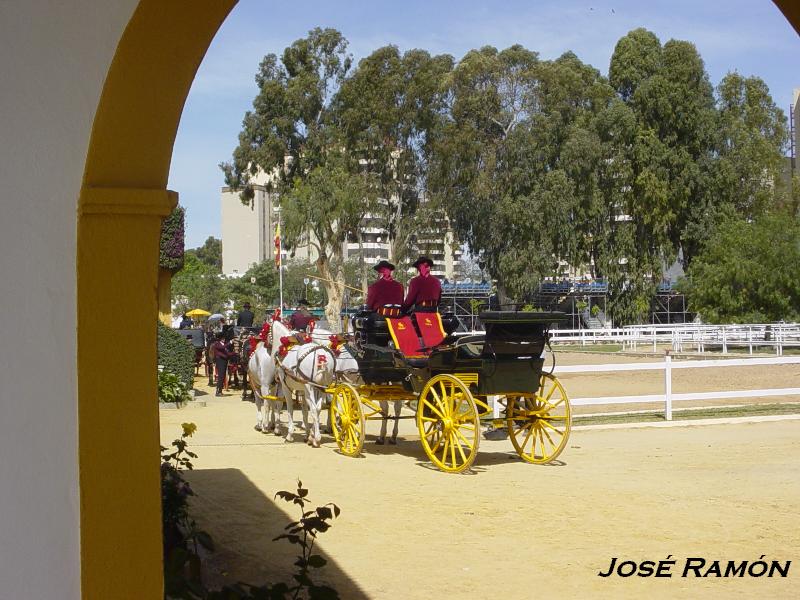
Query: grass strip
x,y
753,410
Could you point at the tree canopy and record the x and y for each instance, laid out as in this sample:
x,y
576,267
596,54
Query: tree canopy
x,y
748,272
542,167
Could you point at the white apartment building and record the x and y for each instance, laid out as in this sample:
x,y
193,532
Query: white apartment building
x,y
248,234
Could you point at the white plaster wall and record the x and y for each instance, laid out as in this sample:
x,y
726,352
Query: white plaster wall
x,y
54,56
243,231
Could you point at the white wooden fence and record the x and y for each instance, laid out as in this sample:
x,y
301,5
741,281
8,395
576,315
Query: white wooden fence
x,y
688,337
667,366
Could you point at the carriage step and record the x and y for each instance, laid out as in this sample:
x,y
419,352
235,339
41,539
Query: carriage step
x,y
467,378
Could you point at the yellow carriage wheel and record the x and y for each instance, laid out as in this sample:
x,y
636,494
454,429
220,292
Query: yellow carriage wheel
x,y
448,424
539,424
347,419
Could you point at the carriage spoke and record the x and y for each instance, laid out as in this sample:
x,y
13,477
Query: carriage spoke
x,y
453,449
550,394
545,433
445,448
461,452
433,408
461,435
546,423
527,436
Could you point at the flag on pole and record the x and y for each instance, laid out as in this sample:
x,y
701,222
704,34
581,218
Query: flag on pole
x,y
278,246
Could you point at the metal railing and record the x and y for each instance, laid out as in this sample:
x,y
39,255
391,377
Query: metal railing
x,y
688,337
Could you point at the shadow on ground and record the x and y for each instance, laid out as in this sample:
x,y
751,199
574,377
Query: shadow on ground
x,y
243,521
489,453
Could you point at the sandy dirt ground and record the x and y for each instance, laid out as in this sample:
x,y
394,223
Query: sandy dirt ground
x,y
510,529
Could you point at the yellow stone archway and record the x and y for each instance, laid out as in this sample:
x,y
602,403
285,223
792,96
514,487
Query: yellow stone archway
x,y
122,202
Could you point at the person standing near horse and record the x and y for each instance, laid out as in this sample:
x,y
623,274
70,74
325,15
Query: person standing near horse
x,y
220,353
301,317
245,317
424,290
385,291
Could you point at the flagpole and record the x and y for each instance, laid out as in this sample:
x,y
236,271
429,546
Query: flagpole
x,y
280,264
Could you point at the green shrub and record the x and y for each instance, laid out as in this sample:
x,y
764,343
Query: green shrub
x,y
175,354
171,388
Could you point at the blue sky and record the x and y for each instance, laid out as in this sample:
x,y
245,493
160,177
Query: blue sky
x,y
748,36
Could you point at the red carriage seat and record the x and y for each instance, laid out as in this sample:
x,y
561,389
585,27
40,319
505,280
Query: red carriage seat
x,y
404,336
430,328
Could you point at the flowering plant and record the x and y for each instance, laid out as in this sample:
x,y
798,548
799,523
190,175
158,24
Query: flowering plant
x,y
172,240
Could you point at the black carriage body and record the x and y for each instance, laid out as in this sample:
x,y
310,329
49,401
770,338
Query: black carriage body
x,y
376,363
196,337
507,358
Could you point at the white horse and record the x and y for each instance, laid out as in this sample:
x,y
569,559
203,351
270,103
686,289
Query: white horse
x,y
318,364
307,368
261,372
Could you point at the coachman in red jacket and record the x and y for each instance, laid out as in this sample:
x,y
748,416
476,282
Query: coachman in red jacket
x,y
424,290
385,291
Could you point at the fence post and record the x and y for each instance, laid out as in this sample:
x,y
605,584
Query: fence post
x,y
750,338
724,340
654,339
667,386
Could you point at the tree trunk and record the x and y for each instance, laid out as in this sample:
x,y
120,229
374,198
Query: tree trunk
x,y
334,286
363,265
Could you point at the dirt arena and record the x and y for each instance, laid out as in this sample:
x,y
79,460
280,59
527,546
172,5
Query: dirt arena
x,y
509,529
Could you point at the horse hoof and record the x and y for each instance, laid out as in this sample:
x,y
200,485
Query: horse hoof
x,y
393,441
380,441
277,432
258,428
288,439
315,443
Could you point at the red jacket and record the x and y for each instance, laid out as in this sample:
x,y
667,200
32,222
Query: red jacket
x,y
423,290
218,350
299,320
384,291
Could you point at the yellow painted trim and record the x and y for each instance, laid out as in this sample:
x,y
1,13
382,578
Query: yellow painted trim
x,y
120,209
390,325
126,201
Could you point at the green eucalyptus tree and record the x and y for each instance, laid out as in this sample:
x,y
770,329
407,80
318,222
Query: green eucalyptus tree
x,y
291,136
515,163
386,111
748,272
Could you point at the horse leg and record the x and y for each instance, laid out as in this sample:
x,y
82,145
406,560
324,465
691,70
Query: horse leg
x,y
244,385
398,406
329,423
259,411
313,402
304,409
277,406
287,394
384,418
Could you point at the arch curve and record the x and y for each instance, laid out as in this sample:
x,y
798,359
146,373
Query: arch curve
x,y
122,202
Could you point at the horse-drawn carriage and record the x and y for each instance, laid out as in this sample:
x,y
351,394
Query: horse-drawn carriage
x,y
197,338
454,383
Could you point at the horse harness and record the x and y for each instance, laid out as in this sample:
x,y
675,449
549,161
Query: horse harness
x,y
297,375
